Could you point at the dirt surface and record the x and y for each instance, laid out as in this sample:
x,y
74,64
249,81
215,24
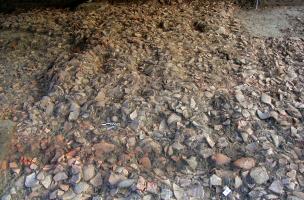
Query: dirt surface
x,y
186,100
272,21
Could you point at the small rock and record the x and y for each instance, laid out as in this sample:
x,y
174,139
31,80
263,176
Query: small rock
x,y
31,181
220,159
215,180
60,176
239,96
74,111
179,193
6,197
115,178
68,195
75,178
245,163
165,194
237,182
81,187
276,187
46,182
275,139
259,175
265,98
40,176
174,118
88,172
126,183
103,148
222,142
97,180
145,162
192,162
209,141
262,115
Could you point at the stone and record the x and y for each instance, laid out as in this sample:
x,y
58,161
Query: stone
x,y
265,98
6,197
276,187
165,193
103,148
31,181
192,162
88,172
145,162
215,180
81,187
237,182
220,159
60,176
263,115
69,195
74,111
40,176
46,182
259,175
244,163
75,178
174,118
126,183
97,180
178,192
115,178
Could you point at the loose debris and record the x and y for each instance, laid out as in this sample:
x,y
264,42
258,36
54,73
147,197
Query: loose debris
x,y
150,101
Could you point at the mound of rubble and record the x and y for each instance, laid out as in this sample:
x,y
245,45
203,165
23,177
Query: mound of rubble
x,y
150,101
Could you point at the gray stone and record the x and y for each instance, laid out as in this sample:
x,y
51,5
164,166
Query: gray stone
x,y
81,187
192,162
179,193
215,180
263,115
60,176
31,181
75,178
88,172
97,180
265,98
74,111
68,195
237,182
165,194
259,175
276,187
174,118
46,182
126,183
6,197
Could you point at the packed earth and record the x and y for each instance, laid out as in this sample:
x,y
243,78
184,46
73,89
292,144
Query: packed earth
x,y
154,100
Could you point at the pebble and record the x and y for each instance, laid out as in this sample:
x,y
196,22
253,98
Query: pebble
x,y
74,111
174,118
31,181
265,98
6,197
259,175
69,195
263,115
179,193
244,163
116,178
220,159
97,180
276,187
60,176
192,162
81,187
126,183
215,180
88,172
46,182
166,194
237,182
